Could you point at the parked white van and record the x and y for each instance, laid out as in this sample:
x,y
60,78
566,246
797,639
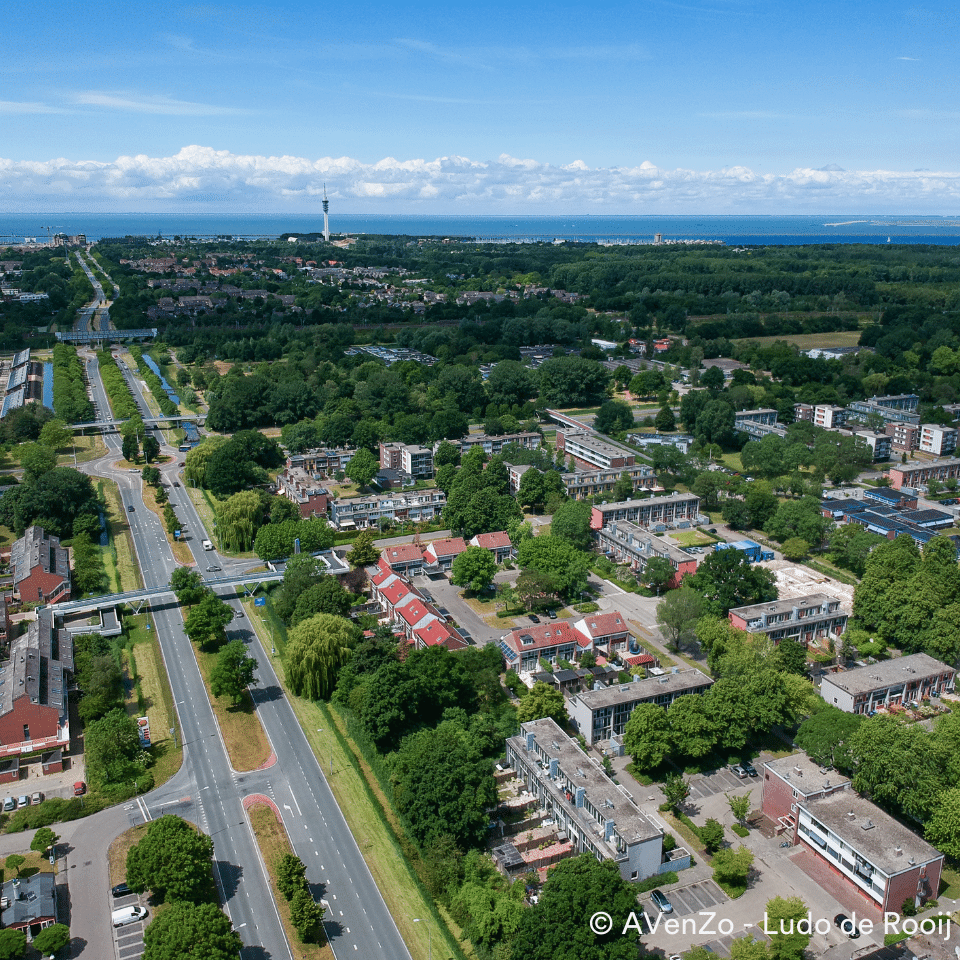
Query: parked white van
x,y
126,915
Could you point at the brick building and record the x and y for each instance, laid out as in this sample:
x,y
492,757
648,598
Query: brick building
x,y
806,618
625,542
40,567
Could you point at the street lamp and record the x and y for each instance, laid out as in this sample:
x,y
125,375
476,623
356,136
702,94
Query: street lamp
x,y
266,626
429,937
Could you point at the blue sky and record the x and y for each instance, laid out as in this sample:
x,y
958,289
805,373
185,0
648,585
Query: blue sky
x,y
653,106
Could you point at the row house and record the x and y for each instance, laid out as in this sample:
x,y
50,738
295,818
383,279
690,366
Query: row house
x,y
525,647
439,555
626,542
596,815
596,483
674,509
915,475
850,841
301,488
40,567
352,513
814,616
498,543
492,446
401,603
903,680
603,713
589,451
608,632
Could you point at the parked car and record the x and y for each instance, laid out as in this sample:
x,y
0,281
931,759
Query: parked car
x,y
751,769
121,890
9,804
660,899
79,788
37,797
847,926
738,771
22,802
534,618
553,614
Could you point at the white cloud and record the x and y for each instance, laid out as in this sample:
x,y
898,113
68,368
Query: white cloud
x,y
14,106
133,103
201,178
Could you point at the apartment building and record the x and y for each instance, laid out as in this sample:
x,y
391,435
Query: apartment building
x,y
823,415
806,618
600,714
597,815
889,409
905,437
937,440
597,483
494,445
352,513
589,451
880,444
674,509
415,460
34,713
304,490
323,463
626,542
902,680
40,567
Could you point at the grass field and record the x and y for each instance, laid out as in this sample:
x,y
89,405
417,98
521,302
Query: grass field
x,y
373,832
246,743
35,863
87,448
119,558
152,696
272,839
692,538
807,341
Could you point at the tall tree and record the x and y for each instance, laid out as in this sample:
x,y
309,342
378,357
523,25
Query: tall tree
x,y
187,931
233,672
474,568
678,613
173,861
646,736
317,649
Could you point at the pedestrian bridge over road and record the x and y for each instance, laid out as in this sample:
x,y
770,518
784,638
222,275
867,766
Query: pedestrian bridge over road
x,y
173,420
249,582
104,336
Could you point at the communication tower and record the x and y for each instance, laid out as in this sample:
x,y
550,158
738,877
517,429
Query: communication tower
x,y
326,215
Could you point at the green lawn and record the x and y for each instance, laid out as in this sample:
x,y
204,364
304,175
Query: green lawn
x,y
692,538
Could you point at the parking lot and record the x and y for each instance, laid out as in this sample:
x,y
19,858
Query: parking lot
x,y
720,781
703,895
128,940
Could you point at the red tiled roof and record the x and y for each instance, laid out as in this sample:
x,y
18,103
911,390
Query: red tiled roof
x,y
382,576
413,612
544,635
605,624
448,547
393,593
492,541
402,553
436,633
640,661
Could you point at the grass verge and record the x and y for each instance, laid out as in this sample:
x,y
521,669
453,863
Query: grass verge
x,y
121,563
247,744
151,695
272,839
86,448
181,552
949,882
118,850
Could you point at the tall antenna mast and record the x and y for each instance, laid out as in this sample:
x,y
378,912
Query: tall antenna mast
x,y
326,215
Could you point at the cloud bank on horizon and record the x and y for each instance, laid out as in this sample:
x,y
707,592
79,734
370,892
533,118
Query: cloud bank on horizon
x,y
203,179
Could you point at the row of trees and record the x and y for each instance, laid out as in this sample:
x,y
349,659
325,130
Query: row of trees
x,y
70,401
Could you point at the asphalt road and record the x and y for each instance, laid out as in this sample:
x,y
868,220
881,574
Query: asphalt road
x,y
96,312
209,793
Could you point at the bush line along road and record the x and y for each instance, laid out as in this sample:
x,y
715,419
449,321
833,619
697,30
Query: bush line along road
x,y
209,793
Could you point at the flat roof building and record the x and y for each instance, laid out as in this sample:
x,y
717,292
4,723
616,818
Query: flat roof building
x,y
598,816
599,714
673,509
806,618
898,681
